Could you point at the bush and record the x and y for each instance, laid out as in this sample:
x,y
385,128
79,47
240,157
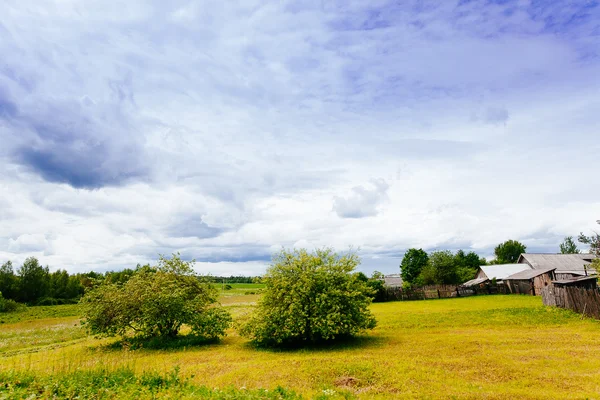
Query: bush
x,y
156,302
9,305
310,297
48,301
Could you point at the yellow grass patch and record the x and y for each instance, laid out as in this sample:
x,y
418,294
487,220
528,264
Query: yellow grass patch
x,y
480,347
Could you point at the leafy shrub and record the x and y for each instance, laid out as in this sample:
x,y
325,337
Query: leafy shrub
x,y
156,302
310,297
9,305
48,301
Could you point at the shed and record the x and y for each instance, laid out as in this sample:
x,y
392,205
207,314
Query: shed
x,y
566,265
394,280
530,281
588,282
499,271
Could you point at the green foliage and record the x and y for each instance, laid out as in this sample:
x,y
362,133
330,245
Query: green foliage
x,y
445,269
568,246
309,298
156,302
9,305
102,383
8,281
377,275
33,283
378,288
509,252
412,264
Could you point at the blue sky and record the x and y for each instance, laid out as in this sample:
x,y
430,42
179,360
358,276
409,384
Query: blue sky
x,y
227,130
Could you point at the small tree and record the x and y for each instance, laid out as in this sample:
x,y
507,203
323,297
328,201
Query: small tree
x,y
156,302
33,281
412,264
310,297
568,246
593,241
8,281
509,252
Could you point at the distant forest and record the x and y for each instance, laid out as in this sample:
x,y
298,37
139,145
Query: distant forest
x,y
34,284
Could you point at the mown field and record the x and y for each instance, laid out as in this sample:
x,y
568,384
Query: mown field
x,y
493,347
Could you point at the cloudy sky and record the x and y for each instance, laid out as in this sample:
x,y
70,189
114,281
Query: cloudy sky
x,y
227,129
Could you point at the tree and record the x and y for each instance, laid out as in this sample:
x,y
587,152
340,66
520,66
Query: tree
x,y
33,279
8,281
466,265
412,264
509,252
310,297
156,302
593,241
568,246
376,275
445,270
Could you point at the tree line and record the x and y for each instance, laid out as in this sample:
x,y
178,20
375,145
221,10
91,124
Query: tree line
x,y
34,284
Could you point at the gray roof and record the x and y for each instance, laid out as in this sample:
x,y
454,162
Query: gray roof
x,y
574,280
394,280
501,271
474,282
564,263
529,274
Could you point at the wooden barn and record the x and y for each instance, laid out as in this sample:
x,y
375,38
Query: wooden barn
x,y
530,281
587,282
393,280
499,272
566,265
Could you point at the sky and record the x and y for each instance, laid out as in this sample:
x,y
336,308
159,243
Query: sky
x,y
227,130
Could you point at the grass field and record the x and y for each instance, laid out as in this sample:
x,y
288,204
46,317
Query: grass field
x,y
479,347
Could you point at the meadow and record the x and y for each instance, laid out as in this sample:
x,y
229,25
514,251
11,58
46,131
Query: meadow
x,y
494,347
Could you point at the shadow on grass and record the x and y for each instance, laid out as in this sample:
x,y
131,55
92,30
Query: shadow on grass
x,y
339,344
161,343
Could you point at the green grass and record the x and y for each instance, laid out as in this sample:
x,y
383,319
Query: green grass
x,y
238,289
122,383
40,312
492,347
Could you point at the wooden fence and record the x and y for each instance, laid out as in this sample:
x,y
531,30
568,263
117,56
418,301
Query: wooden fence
x,y
580,300
439,292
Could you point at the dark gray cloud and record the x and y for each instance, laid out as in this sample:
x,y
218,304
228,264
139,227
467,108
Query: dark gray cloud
x,y
192,226
85,146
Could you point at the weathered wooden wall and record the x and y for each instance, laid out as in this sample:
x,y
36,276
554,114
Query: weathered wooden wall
x,y
580,300
540,282
520,286
440,292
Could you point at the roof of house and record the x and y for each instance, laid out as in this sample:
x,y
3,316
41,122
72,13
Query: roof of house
x,y
394,280
564,263
529,274
474,282
573,281
501,271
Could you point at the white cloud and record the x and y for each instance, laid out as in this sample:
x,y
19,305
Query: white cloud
x,y
362,202
225,130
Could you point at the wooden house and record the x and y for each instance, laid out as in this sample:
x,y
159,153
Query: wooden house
x,y
530,281
499,272
566,265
